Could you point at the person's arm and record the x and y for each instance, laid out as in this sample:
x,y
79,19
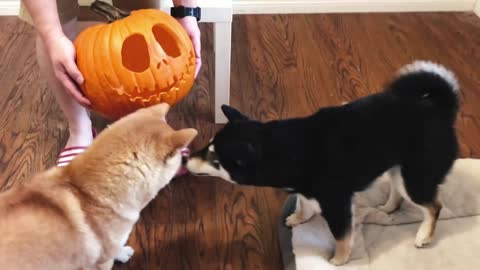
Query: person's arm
x,y
45,17
191,26
60,49
185,3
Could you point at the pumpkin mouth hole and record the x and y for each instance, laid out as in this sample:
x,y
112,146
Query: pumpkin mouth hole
x,y
135,56
166,39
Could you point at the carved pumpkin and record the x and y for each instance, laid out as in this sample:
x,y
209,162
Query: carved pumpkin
x,y
137,60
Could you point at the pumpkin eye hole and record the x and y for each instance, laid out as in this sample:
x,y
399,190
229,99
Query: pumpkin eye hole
x,y
166,39
135,56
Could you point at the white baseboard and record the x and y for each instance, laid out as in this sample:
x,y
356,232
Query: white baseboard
x,y
343,6
9,7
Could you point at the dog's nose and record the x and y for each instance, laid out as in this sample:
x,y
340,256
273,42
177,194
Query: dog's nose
x,y
184,160
185,154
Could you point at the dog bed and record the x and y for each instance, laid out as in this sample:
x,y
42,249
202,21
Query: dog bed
x,y
385,241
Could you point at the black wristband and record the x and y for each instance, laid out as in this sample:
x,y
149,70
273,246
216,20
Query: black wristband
x,y
181,12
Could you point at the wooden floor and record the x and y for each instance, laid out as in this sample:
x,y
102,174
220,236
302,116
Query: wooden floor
x,y
282,66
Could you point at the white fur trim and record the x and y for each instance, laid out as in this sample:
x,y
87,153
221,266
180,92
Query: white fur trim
x,y
431,67
199,166
211,148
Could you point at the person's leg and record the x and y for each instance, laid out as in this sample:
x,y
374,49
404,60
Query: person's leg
x,y
79,123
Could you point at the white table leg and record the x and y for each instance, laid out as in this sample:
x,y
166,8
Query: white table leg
x,y
223,46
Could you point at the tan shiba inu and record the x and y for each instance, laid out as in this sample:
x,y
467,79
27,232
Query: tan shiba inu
x,y
80,216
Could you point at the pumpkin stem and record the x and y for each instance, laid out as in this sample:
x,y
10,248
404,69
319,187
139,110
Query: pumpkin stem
x,y
108,11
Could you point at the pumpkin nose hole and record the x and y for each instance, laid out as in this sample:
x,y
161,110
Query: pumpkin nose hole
x,y
166,39
135,56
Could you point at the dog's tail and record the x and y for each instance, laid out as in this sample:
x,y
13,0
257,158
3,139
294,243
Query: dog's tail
x,y
428,85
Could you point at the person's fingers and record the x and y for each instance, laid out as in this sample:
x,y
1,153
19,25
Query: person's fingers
x,y
198,65
72,89
73,71
197,46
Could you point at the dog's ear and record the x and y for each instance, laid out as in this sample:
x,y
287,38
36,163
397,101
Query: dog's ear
x,y
159,110
232,114
182,138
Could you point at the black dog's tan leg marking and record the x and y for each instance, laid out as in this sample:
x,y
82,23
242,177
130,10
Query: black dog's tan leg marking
x,y
338,212
422,173
431,212
343,249
304,211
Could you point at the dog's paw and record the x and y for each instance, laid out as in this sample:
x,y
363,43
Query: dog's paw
x,y
387,209
293,220
424,235
421,241
338,261
125,254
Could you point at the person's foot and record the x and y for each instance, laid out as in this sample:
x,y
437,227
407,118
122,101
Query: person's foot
x,y
80,138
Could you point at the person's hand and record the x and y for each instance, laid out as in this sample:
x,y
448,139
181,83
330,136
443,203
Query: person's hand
x,y
61,51
191,26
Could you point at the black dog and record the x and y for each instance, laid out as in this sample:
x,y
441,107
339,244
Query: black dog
x,y
330,155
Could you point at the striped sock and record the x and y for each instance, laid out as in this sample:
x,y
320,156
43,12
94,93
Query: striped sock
x,y
68,154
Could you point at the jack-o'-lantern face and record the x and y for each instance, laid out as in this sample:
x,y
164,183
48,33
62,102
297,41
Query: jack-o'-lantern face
x,y
138,61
